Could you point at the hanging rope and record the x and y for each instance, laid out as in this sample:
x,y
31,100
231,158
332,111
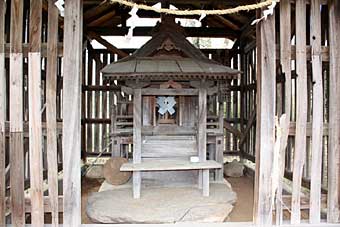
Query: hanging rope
x,y
196,11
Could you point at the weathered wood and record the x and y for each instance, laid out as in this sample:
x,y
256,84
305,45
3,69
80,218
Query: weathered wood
x,y
232,129
72,112
250,123
202,127
16,115
108,45
137,140
35,127
266,112
2,113
315,193
301,108
28,206
285,60
157,165
51,112
171,92
219,158
333,207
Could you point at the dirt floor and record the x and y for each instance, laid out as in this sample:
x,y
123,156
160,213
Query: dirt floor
x,y
243,186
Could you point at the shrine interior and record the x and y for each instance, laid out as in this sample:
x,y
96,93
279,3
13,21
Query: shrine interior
x,y
112,114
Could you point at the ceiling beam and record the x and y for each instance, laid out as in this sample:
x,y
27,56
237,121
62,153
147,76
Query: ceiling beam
x,y
109,46
146,31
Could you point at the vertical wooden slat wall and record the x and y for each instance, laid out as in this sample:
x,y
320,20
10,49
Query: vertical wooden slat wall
x,y
51,109
317,121
333,211
266,82
16,115
285,61
35,125
2,113
72,111
301,107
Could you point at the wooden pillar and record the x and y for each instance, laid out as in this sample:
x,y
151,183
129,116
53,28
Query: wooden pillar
x,y
51,109
301,109
317,122
16,115
266,82
333,208
2,112
35,124
137,140
285,60
202,137
71,111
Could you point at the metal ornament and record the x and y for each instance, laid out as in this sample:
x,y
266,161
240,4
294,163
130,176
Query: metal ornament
x,y
166,104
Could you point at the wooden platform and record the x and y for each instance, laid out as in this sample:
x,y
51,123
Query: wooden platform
x,y
170,165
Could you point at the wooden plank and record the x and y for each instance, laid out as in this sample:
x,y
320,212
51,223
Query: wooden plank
x,y
205,180
72,112
285,60
333,212
219,158
301,108
317,136
266,121
137,140
250,123
166,165
51,110
2,113
202,128
16,114
28,206
108,45
171,92
34,109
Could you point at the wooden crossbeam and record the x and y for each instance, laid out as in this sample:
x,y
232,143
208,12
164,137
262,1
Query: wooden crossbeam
x,y
103,19
108,45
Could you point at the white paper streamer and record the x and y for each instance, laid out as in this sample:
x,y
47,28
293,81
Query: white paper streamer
x,y
266,13
60,5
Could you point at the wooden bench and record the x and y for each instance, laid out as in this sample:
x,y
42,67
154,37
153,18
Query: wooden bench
x,y
172,165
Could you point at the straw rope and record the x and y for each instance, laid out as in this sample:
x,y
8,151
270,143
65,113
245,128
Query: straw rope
x,y
197,11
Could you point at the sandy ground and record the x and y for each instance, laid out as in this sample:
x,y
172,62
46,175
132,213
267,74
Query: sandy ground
x,y
243,210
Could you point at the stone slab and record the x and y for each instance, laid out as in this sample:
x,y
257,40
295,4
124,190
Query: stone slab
x,y
161,205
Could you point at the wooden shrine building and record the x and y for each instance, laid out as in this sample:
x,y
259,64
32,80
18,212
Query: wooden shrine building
x,y
170,81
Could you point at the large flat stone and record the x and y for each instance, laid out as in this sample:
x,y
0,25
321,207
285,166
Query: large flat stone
x,y
162,205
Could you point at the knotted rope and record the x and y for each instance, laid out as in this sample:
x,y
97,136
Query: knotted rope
x,y
196,11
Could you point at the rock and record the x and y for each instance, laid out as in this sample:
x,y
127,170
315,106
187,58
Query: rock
x,y
161,205
95,172
112,173
234,169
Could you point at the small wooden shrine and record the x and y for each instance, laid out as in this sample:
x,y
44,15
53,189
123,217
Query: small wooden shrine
x,y
175,119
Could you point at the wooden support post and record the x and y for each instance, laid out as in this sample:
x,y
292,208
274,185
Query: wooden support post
x,y
219,158
2,113
333,207
137,140
51,109
202,135
266,83
317,133
16,115
301,108
285,60
35,124
71,112
205,180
